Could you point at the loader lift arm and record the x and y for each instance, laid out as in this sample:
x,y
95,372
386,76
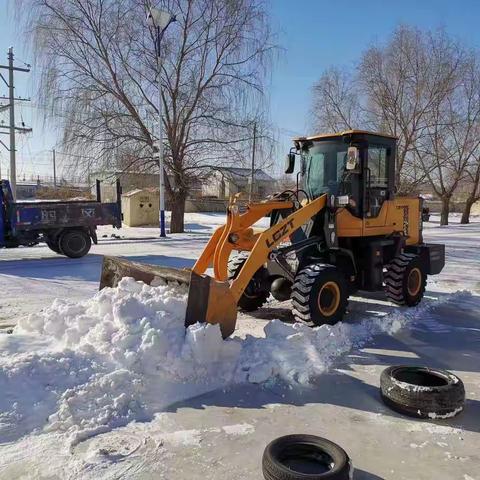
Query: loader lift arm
x,y
214,299
237,234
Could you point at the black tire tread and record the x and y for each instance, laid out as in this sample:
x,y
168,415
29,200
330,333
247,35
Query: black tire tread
x,y
273,469
246,304
64,247
301,290
441,401
394,280
54,246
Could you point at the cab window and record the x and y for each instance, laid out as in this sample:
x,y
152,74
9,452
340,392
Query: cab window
x,y
377,163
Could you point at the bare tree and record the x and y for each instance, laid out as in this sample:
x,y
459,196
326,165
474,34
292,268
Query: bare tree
x,y
336,105
396,89
404,82
450,140
98,69
473,176
471,86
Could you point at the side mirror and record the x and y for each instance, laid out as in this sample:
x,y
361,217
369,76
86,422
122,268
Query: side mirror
x,y
352,158
290,163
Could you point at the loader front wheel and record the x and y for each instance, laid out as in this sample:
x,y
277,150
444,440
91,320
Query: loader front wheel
x,y
405,280
319,295
255,295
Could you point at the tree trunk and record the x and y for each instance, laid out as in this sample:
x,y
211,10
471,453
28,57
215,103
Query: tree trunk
x,y
466,212
445,211
178,212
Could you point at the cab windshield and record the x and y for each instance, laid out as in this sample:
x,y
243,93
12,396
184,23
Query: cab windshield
x,y
324,166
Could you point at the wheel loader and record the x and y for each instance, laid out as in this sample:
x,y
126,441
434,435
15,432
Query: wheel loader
x,y
342,229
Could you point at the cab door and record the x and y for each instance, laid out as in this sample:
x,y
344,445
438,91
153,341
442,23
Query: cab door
x,y
378,179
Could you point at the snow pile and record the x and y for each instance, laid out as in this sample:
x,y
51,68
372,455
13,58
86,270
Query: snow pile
x,y
297,353
115,358
124,355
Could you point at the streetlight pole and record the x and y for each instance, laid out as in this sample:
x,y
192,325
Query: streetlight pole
x,y
160,138
252,172
160,20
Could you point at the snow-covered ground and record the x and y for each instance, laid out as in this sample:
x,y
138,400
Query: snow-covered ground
x,y
85,378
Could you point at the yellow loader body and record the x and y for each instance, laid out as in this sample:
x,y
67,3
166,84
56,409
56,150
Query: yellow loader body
x,y
214,299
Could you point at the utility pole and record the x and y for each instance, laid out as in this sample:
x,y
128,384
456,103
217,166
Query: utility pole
x,y
13,167
11,106
252,173
54,170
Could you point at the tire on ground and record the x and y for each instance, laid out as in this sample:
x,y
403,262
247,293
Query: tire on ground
x,y
297,457
75,243
253,297
319,295
422,392
54,246
405,280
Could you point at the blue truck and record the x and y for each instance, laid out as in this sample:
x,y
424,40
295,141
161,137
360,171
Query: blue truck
x,y
67,227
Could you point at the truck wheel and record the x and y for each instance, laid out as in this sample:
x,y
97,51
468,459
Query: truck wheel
x,y
52,245
319,295
75,243
255,295
405,280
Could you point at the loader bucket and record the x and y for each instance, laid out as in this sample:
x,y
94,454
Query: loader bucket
x,y
209,300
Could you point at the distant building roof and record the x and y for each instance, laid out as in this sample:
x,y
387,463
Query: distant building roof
x,y
244,173
27,184
132,193
120,172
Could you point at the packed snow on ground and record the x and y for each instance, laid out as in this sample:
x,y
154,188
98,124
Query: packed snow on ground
x,y
92,362
84,368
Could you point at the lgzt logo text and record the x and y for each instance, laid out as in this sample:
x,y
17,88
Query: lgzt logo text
x,y
280,233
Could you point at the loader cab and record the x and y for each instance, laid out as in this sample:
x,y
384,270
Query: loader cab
x,y
356,166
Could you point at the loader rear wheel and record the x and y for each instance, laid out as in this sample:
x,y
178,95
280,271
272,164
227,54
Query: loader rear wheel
x,y
319,295
405,280
255,295
75,243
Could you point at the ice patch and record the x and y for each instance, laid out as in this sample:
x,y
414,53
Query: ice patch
x,y
239,429
183,438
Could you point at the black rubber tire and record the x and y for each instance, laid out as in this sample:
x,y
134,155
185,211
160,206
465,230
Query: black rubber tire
x,y
75,243
441,395
397,276
54,246
306,289
252,298
278,455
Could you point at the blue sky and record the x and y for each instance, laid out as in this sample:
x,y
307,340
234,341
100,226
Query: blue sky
x,y
314,34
